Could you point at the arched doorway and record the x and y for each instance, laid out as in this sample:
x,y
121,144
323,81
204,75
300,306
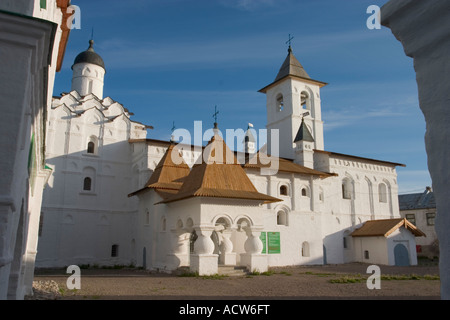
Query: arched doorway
x,y
401,255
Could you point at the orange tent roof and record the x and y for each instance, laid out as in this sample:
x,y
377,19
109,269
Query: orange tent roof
x,y
218,175
167,175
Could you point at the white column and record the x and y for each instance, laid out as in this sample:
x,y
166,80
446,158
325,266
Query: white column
x,y
203,260
252,259
179,257
227,256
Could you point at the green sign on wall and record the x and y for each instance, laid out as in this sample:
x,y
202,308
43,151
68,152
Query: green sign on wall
x,y
271,242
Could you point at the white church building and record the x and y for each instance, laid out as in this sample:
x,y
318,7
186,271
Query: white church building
x,y
116,197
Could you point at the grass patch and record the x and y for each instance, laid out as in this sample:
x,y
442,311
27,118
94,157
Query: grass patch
x,y
359,278
196,275
318,274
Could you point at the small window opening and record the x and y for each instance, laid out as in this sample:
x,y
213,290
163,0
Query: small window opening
x,y
283,191
115,250
281,218
280,103
87,184
91,147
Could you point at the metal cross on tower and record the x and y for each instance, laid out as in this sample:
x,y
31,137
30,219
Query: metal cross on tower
x,y
216,112
172,130
289,40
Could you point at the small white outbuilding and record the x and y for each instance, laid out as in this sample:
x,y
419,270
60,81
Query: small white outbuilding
x,y
386,241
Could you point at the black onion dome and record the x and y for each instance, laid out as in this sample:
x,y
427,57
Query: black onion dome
x,y
89,56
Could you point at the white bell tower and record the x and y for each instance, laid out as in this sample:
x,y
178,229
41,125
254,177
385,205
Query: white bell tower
x,y
88,73
293,99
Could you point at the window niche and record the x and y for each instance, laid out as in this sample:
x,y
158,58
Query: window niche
x,y
382,193
347,189
282,219
305,249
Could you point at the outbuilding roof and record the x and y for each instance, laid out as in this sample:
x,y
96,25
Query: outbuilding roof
x,y
384,227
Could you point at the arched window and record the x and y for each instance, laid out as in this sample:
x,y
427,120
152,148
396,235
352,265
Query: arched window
x,y
91,147
347,188
87,184
305,192
283,190
305,249
89,179
382,192
305,100
280,102
281,218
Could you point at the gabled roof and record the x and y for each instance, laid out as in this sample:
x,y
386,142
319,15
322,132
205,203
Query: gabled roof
x,y
168,175
303,133
384,227
291,67
424,200
219,175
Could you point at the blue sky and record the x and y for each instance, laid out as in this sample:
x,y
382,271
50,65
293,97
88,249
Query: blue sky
x,y
174,60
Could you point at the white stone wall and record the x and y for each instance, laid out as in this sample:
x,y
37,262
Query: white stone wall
x,y
104,214
26,44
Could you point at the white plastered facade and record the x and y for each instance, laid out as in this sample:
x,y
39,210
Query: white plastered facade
x,y
310,225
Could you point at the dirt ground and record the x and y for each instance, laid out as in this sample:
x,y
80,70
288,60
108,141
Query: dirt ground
x,y
346,281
